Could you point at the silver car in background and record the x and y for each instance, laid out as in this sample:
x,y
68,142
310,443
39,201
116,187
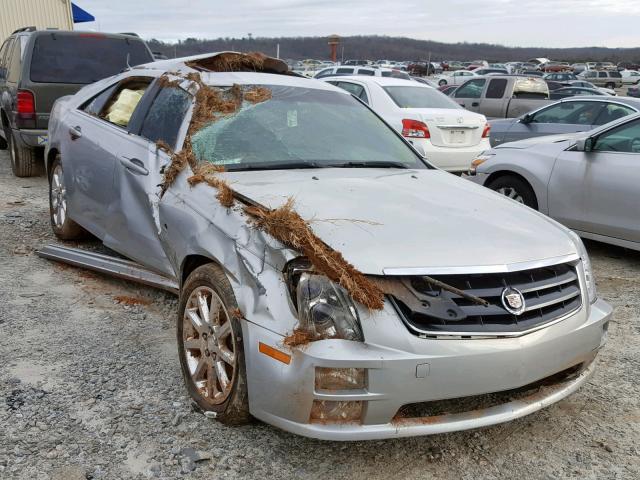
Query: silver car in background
x,y
587,181
365,374
575,114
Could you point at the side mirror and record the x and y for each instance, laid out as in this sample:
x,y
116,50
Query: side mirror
x,y
584,144
526,119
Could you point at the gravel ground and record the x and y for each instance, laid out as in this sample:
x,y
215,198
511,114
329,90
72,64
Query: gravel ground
x,y
90,387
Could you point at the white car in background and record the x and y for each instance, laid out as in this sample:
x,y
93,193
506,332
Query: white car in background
x,y
454,78
372,71
630,77
449,136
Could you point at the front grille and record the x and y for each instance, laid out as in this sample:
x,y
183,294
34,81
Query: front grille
x,y
549,293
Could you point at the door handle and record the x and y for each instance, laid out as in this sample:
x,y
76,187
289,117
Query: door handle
x,y
475,104
134,165
75,132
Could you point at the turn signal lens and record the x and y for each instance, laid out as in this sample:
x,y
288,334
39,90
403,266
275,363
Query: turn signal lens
x,y
415,129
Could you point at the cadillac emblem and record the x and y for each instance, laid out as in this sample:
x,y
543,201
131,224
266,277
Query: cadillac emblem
x,y
513,301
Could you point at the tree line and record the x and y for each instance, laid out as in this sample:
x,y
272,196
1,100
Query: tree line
x,y
392,48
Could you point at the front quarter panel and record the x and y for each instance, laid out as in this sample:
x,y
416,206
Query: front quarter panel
x,y
533,164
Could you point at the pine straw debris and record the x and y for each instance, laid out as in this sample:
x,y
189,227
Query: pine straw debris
x,y
287,226
240,62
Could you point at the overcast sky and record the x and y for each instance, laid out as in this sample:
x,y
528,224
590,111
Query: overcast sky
x,y
544,23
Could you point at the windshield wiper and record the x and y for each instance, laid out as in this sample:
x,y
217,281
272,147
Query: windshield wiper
x,y
370,164
274,166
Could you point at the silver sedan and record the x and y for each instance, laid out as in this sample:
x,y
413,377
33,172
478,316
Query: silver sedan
x,y
587,181
576,114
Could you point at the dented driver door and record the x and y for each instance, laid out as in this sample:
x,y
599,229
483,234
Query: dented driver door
x,y
139,174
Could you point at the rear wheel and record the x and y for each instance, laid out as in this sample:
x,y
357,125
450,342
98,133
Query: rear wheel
x,y
516,189
610,85
442,82
63,227
23,158
210,346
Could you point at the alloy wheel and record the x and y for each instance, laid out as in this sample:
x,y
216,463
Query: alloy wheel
x,y
58,197
512,193
209,345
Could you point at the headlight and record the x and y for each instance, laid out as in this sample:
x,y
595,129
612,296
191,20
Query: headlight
x,y
586,266
479,160
325,309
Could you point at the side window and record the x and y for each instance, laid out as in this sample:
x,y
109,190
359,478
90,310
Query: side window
x,y
166,115
613,112
352,88
625,139
327,72
3,51
496,88
117,103
344,71
578,113
366,71
95,105
14,63
471,89
602,74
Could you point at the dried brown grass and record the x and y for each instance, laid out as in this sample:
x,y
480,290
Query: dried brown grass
x,y
207,173
287,226
257,95
297,338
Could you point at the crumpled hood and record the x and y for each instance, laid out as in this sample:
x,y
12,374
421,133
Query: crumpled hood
x,y
382,219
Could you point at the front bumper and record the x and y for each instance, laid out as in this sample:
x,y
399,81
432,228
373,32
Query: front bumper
x,y
283,394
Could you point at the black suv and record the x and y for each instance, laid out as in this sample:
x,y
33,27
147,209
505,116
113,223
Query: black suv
x,y
38,67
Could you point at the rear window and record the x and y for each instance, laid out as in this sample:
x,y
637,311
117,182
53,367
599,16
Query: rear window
x,y
615,74
420,97
84,58
396,74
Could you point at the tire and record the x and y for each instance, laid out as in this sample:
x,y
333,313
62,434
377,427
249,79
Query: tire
x,y
23,159
211,351
515,188
442,82
63,227
610,85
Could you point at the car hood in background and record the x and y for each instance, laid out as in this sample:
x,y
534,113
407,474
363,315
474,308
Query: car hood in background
x,y
565,139
387,218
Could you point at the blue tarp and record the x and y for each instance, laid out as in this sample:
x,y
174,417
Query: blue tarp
x,y
80,15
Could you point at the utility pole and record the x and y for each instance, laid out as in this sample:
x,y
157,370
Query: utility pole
x,y
278,51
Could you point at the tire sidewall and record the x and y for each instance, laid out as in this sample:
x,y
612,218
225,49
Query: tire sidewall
x,y
520,186
211,276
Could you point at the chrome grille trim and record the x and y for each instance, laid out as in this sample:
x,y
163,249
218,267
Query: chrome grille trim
x,y
554,293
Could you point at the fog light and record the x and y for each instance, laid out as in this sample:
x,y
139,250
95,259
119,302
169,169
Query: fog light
x,y
340,378
324,411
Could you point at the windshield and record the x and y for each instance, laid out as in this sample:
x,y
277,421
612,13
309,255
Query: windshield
x,y
301,128
420,97
84,58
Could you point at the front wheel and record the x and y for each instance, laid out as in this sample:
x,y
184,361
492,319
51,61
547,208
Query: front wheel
x,y
516,189
210,346
63,227
610,85
442,82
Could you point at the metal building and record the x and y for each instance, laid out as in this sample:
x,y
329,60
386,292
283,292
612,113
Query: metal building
x,y
43,14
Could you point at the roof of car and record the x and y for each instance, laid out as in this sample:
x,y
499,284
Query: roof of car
x,y
382,81
179,65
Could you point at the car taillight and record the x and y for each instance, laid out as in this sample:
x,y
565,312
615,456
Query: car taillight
x,y
26,104
414,129
486,131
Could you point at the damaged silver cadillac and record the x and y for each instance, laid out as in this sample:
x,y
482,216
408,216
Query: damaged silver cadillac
x,y
332,283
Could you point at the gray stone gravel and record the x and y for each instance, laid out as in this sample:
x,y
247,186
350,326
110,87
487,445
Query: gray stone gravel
x,y
90,388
